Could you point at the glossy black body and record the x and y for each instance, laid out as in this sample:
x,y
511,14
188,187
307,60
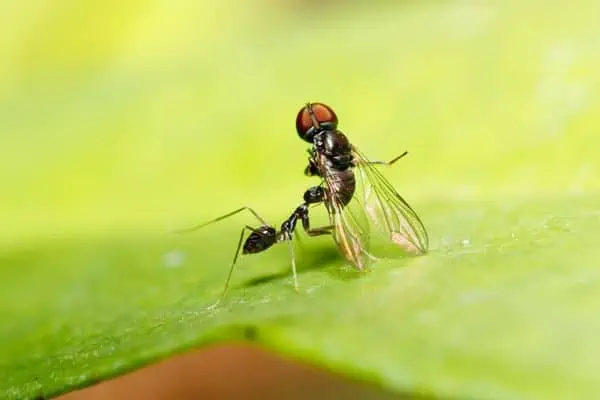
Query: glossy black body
x,y
260,239
331,157
266,236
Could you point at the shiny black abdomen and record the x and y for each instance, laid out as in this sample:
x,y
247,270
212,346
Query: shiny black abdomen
x,y
260,239
342,184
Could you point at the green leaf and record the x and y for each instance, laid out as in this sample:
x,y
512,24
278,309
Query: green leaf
x,y
123,123
503,306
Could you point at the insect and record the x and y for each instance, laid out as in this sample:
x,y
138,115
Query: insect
x,y
354,192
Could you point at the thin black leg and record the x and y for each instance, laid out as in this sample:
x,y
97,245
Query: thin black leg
x,y
323,230
235,258
388,163
291,246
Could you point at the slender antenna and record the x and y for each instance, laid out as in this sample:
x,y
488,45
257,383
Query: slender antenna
x,y
195,228
312,116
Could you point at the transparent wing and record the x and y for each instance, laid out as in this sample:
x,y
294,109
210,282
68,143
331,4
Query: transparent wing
x,y
351,226
387,210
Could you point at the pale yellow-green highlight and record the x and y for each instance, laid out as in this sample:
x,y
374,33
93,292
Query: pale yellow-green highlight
x,y
150,115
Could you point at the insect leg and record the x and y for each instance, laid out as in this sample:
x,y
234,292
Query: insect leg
x,y
323,230
391,162
313,195
195,228
288,228
235,257
291,246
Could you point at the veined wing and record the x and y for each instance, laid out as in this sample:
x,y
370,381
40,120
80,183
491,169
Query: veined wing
x,y
387,210
351,226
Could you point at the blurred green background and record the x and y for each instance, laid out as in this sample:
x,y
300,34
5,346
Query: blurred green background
x,y
146,114
121,121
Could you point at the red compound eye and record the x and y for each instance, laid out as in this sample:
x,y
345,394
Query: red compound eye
x,y
313,118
